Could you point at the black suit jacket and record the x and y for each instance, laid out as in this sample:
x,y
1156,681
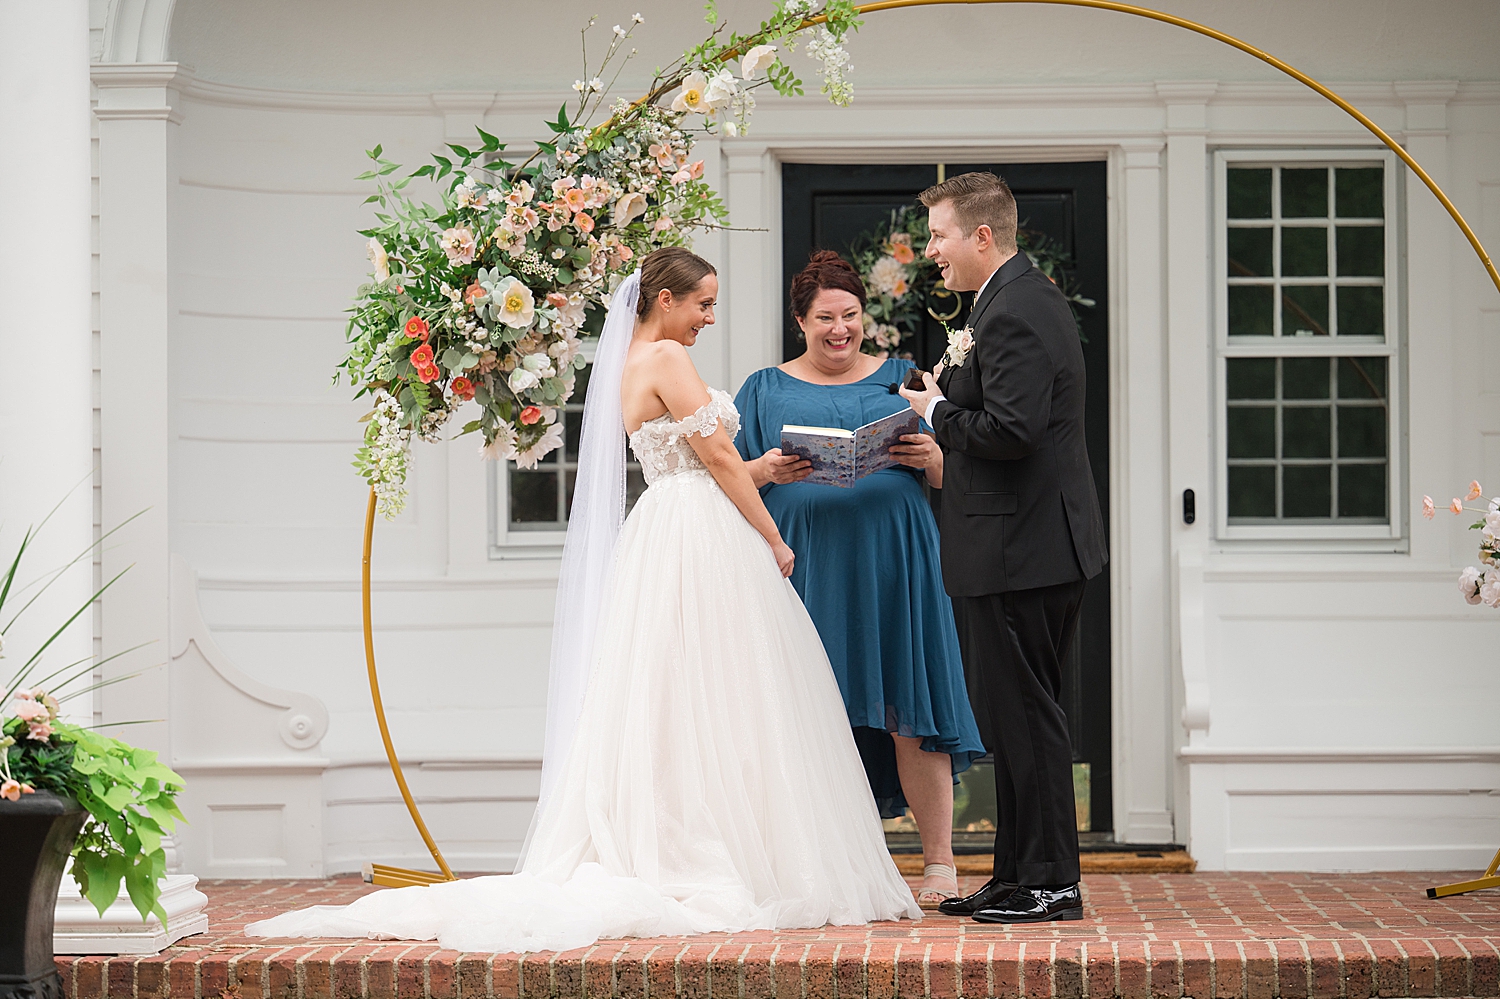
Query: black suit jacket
x,y
1019,510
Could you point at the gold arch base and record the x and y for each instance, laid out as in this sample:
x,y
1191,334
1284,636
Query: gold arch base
x,y
397,877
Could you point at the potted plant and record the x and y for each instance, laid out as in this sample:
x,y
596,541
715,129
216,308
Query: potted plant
x,y
68,791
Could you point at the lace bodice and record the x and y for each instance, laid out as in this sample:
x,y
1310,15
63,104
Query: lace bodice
x,y
661,445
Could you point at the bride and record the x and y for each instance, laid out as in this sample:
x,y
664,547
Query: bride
x,y
699,774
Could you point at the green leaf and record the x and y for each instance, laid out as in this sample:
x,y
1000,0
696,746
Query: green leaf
x,y
460,151
491,143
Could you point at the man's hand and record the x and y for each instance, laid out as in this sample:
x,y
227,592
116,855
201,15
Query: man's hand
x,y
921,400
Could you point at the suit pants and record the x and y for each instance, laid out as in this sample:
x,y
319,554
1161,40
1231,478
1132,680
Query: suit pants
x,y
1013,648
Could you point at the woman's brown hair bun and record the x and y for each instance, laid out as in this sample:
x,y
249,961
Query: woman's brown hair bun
x,y
673,268
825,269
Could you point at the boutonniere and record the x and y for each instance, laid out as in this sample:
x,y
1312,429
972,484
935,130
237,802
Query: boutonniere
x,y
960,342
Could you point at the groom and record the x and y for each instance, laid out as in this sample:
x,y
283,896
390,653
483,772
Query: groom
x,y
1021,534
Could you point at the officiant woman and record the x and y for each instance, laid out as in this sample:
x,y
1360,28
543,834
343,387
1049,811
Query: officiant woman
x,y
867,562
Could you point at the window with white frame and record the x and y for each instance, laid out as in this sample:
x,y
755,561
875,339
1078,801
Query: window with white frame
x,y
531,505
1308,345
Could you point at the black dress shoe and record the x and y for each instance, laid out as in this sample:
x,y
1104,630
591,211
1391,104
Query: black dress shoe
x,y
1034,905
992,894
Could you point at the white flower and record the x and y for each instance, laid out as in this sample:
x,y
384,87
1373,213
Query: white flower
x,y
1489,588
1468,584
636,18
731,129
468,195
835,59
596,85
547,443
565,350
960,342
631,206
720,90
756,60
503,447
579,86
886,274
379,258
458,244
538,364
522,380
690,98
514,304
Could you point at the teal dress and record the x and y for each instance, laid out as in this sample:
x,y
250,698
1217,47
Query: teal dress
x,y
867,569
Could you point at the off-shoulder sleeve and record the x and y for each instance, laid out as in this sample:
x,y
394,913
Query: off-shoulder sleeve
x,y
719,409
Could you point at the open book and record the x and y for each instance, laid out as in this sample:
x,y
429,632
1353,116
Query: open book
x,y
842,457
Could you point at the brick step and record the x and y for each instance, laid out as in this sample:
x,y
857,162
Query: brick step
x,y
1169,936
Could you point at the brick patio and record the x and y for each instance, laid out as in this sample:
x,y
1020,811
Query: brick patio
x,y
1170,935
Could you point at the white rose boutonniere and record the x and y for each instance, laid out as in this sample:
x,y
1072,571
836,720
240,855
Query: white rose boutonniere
x,y
960,342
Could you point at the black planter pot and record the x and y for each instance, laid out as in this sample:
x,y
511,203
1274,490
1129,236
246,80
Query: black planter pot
x,y
36,836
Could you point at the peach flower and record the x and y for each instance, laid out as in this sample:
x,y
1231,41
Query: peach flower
x,y
531,415
1428,510
584,221
1457,506
1475,490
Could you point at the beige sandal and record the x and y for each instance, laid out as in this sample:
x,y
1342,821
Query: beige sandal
x,y
930,897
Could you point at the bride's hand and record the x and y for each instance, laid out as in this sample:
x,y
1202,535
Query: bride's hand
x,y
784,557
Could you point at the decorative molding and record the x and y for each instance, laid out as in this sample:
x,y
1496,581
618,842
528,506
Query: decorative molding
x,y
1340,754
974,98
304,720
137,31
139,91
78,927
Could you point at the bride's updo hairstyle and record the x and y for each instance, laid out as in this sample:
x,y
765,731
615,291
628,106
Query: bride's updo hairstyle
x,y
825,269
673,268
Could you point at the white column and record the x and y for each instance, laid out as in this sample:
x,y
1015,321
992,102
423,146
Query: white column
x,y
754,337
1141,545
1433,369
46,434
137,179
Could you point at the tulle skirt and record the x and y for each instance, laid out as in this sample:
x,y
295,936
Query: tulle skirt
x,y
714,784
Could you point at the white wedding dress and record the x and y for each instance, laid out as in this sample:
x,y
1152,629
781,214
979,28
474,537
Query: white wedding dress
x,y
713,783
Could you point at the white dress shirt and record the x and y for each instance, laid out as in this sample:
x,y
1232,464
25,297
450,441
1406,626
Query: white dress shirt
x,y
942,398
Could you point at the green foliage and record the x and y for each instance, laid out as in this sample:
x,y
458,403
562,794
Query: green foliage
x,y
130,797
923,289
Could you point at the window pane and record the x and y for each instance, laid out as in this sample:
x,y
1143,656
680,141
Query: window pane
x,y
1306,432
572,432
1250,252
1361,250
1251,377
635,485
533,497
1304,252
1358,193
1304,310
1252,491
1362,378
1361,432
1249,193
1361,311
1304,378
1362,491
1252,432
1307,491
1250,310
1304,193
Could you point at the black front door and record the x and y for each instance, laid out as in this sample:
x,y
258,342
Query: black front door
x,y
828,206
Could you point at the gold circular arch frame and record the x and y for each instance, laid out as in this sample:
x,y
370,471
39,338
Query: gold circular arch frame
x,y
397,877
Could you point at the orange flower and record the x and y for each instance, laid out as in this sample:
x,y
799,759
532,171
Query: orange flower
x,y
584,221
463,388
903,253
422,356
428,373
416,327
530,415
473,292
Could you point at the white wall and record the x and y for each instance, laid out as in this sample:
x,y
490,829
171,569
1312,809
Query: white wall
x,y
1315,671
